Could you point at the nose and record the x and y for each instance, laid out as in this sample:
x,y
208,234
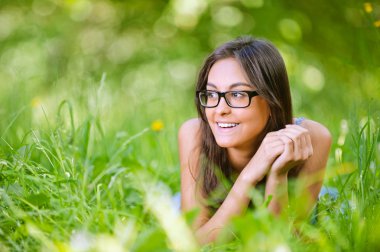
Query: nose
x,y
222,107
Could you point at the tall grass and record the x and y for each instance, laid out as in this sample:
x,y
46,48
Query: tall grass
x,y
70,181
76,187
92,173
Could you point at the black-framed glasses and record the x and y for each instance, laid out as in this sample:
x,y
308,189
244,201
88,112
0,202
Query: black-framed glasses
x,y
234,99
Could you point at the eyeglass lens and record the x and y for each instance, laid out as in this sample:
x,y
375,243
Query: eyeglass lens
x,y
233,98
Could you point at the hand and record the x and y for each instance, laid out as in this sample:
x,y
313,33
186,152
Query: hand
x,y
270,148
297,148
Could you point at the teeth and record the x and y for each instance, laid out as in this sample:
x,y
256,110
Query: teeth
x,y
227,125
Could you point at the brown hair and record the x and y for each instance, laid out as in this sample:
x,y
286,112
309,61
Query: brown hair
x,y
264,67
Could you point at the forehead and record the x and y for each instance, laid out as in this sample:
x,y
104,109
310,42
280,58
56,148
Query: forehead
x,y
226,72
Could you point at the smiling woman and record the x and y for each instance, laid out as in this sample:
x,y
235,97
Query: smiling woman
x,y
229,76
245,134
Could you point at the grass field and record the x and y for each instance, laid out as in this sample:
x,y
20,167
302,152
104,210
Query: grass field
x,y
92,95
75,185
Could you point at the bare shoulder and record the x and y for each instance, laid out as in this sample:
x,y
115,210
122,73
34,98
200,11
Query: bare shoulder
x,y
319,134
311,173
321,142
188,141
189,151
189,128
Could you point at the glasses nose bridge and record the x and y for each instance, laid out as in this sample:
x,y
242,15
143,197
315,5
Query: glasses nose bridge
x,y
223,95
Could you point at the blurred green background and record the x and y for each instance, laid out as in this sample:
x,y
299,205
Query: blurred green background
x,y
130,63
93,92
149,52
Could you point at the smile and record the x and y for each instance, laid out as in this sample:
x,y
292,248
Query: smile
x,y
227,125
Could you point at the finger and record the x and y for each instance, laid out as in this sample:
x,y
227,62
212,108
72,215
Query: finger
x,y
288,145
307,147
273,134
296,127
299,134
304,133
297,149
272,139
276,142
296,130
277,150
275,146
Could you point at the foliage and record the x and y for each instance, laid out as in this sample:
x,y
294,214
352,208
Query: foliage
x,y
92,94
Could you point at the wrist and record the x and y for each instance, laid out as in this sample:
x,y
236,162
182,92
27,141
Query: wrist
x,y
256,170
251,177
278,176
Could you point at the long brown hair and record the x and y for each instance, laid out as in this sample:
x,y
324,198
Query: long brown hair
x,y
264,67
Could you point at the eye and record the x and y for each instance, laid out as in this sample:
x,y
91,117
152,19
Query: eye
x,y
211,94
238,94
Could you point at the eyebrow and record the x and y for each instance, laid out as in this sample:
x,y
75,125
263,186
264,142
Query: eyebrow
x,y
232,85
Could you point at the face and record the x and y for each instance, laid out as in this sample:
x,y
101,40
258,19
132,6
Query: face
x,y
235,127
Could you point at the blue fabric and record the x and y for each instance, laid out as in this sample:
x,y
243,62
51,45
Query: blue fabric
x,y
331,191
299,120
176,200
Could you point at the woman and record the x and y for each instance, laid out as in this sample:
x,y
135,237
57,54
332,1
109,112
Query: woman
x,y
246,134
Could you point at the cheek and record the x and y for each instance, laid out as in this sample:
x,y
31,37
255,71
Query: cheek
x,y
256,119
208,114
262,110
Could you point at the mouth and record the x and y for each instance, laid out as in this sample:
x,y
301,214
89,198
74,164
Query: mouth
x,y
227,125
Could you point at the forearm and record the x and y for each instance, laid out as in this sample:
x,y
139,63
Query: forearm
x,y
277,188
235,204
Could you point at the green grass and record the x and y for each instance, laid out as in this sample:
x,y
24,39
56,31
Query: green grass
x,y
82,82
68,179
75,183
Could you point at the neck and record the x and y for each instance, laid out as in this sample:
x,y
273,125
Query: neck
x,y
239,158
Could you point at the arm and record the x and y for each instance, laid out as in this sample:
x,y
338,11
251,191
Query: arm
x,y
207,227
310,178
277,187
309,148
297,149
235,203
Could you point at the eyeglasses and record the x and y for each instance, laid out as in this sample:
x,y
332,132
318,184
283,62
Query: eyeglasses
x,y
234,99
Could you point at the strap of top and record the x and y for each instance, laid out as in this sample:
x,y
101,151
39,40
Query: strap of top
x,y
299,120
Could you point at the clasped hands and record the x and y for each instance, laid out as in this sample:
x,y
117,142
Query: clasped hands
x,y
280,151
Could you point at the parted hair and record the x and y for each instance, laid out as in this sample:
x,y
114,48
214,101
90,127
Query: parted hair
x,y
265,69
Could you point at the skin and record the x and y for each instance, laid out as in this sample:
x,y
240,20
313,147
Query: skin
x,y
240,141
306,146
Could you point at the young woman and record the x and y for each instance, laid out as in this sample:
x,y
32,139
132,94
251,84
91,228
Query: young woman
x,y
246,134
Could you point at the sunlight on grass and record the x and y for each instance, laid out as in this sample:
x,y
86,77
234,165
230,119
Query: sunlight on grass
x,y
92,94
158,201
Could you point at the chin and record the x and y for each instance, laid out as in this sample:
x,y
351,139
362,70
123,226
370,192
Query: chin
x,y
225,144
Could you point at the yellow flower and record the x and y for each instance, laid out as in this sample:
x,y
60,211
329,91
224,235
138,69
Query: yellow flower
x,y
157,125
377,23
368,7
36,102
